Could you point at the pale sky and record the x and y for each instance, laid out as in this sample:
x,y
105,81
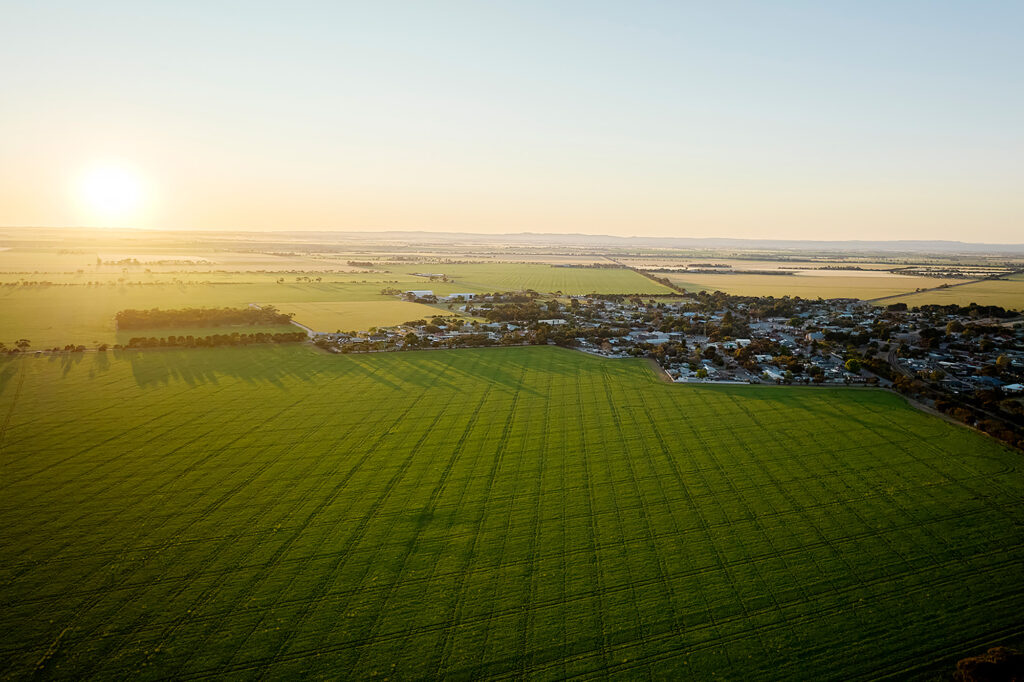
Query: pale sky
x,y
863,120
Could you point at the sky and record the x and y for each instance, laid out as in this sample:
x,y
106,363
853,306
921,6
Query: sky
x,y
793,120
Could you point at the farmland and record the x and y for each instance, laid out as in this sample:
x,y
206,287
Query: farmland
x,y
516,512
328,316
807,284
489,277
1007,293
55,297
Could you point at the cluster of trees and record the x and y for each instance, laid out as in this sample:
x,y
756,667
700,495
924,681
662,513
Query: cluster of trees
x,y
973,310
19,346
215,340
757,306
199,317
529,311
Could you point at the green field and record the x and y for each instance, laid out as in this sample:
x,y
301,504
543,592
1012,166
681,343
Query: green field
x,y
329,316
1007,293
276,512
59,315
822,284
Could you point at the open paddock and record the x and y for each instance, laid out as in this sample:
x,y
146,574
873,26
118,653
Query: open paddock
x,y
530,513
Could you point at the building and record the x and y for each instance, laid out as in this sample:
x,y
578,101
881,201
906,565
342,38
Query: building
x,y
419,293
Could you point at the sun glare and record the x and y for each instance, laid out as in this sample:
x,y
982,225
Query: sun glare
x,y
112,193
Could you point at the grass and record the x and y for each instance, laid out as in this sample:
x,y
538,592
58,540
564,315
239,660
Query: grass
x,y
828,285
497,513
329,316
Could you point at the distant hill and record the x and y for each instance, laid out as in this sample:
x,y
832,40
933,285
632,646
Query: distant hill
x,y
282,238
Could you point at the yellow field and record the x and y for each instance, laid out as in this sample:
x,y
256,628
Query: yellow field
x,y
1008,293
329,316
832,284
748,264
491,277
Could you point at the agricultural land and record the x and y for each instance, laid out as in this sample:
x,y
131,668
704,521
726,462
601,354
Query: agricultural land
x,y
528,512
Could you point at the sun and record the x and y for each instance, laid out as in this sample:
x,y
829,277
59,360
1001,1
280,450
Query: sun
x,y
112,192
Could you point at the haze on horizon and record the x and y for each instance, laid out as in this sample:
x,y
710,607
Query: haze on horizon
x,y
868,120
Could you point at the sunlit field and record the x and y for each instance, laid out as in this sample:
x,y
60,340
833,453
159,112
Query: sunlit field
x,y
276,512
329,316
1008,293
50,316
828,284
55,296
491,277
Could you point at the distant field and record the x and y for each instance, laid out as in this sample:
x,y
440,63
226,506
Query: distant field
x,y
750,264
531,513
543,278
827,284
1008,293
79,314
82,314
239,267
329,316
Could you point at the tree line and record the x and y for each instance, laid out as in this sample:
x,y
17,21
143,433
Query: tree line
x,y
215,340
199,317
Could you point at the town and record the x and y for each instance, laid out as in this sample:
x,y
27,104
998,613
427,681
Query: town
x,y
965,361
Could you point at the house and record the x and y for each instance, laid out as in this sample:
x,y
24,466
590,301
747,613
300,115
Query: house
x,y
460,297
552,322
419,293
1013,388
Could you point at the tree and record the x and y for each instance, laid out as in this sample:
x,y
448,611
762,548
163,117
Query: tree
x,y
998,663
702,373
954,327
1003,363
852,365
22,344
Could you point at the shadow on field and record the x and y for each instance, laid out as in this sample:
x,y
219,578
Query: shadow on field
x,y
67,361
8,368
160,367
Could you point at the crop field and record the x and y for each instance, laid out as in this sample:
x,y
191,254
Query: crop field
x,y
810,284
490,277
528,512
329,316
58,315
1008,293
72,300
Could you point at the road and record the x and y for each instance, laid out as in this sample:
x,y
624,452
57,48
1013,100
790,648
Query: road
x,y
895,363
